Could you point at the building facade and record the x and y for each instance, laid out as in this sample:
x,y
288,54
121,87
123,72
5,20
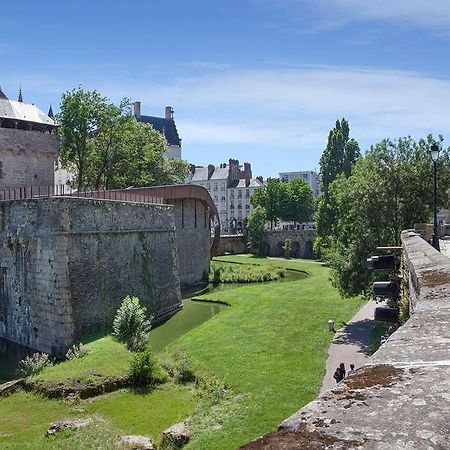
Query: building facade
x,y
29,145
310,176
166,126
231,186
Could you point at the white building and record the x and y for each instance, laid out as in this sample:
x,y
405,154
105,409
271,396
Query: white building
x,y
231,186
311,177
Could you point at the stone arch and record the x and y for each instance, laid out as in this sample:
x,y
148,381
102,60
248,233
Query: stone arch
x,y
295,250
279,250
309,252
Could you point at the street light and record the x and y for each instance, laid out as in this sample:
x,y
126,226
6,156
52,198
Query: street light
x,y
434,152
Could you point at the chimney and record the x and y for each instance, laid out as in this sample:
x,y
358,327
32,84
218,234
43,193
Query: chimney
x,y
247,170
247,181
169,112
137,109
210,170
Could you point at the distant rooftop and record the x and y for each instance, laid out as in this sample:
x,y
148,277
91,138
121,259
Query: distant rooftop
x,y
165,125
14,110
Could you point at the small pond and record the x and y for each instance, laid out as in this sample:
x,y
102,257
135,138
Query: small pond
x,y
193,314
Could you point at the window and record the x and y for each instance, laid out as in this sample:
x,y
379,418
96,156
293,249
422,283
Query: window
x,y
208,186
231,205
215,187
247,206
240,206
223,198
247,193
231,193
222,188
239,194
215,198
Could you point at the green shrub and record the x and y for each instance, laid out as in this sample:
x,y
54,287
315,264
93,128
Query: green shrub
x,y
131,325
145,369
179,367
34,364
287,247
243,273
76,351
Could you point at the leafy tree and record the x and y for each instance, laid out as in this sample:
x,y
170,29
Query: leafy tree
x,y
78,120
293,201
389,190
256,227
298,203
338,158
106,147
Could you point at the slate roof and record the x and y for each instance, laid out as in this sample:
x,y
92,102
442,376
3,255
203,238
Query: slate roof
x,y
220,173
200,174
165,126
10,109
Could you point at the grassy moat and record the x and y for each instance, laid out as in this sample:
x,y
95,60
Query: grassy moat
x,y
265,353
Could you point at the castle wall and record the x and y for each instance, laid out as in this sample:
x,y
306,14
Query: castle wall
x,y
27,158
193,240
302,242
66,264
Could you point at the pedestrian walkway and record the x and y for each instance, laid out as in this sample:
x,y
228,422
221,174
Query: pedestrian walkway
x,y
350,344
444,245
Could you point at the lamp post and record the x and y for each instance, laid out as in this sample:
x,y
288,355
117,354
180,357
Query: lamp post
x,y
434,152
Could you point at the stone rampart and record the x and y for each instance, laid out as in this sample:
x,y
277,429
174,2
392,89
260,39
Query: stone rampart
x,y
27,158
233,244
401,398
302,242
66,263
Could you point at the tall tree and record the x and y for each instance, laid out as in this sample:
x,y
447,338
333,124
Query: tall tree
x,y
256,227
81,112
298,202
339,156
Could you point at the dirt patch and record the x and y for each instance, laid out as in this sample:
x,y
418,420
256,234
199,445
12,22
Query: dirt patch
x,y
302,439
369,376
431,278
79,389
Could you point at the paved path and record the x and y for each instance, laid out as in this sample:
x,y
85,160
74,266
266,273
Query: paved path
x,y
350,344
444,245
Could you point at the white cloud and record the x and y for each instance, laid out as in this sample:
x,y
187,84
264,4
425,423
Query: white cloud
x,y
419,13
283,105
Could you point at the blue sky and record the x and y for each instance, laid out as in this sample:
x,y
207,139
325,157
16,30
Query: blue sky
x,y
258,80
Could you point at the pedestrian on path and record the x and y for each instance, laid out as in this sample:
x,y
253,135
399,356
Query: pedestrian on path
x,y
342,367
352,370
337,374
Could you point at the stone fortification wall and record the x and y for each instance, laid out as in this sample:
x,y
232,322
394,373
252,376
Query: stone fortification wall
x,y
66,263
193,240
302,242
233,245
400,399
27,158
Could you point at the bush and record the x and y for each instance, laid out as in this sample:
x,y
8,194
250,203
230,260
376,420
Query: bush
x,y
131,325
243,273
180,368
76,351
287,247
34,364
145,369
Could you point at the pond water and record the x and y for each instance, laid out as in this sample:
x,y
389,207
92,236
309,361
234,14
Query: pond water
x,y
192,315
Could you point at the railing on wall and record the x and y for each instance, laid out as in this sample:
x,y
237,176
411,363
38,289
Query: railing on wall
x,y
33,192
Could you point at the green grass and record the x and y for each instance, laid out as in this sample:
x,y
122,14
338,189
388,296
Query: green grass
x,y
105,357
270,345
149,413
225,272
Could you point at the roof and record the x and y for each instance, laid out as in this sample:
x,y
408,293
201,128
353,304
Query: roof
x,y
200,174
10,109
254,183
164,126
220,173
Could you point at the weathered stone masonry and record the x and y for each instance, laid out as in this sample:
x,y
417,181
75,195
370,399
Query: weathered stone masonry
x,y
66,263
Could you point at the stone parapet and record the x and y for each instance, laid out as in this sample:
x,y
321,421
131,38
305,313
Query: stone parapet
x,y
401,398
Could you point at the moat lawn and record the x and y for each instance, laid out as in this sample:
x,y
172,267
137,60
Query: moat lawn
x,y
269,347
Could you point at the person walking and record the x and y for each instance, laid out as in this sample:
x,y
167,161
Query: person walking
x,y
337,374
352,370
342,367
